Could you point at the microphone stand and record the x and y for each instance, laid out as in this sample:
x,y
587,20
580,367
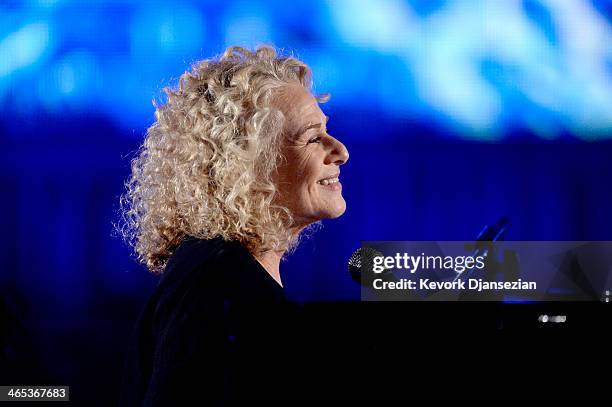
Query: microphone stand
x,y
484,240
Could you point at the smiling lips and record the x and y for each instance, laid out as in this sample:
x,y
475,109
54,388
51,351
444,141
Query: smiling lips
x,y
332,183
329,180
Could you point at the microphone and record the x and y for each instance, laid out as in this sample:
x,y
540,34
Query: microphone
x,y
361,265
361,262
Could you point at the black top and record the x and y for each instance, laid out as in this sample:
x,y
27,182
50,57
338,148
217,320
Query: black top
x,y
215,310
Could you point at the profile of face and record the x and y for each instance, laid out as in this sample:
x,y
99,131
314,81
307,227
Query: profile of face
x,y
309,179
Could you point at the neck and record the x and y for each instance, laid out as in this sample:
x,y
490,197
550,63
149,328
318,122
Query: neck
x,y
271,262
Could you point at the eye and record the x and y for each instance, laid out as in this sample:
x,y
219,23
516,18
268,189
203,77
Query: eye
x,y
315,140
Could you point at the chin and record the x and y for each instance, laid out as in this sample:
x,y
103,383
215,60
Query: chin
x,y
336,215
336,212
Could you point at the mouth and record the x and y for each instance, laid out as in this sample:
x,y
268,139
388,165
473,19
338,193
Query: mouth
x,y
328,181
332,183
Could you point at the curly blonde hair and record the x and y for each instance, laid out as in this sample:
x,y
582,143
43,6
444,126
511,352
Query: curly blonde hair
x,y
206,166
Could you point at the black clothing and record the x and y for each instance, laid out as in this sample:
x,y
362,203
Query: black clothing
x,y
212,333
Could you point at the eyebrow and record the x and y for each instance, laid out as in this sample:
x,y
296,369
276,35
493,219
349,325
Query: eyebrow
x,y
311,126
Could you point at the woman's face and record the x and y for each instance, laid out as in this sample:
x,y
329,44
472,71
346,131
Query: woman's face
x,y
308,180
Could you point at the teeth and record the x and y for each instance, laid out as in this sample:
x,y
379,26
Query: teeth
x,y
328,181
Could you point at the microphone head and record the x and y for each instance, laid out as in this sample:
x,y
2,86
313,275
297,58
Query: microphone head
x,y
361,264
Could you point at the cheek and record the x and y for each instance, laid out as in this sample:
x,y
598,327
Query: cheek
x,y
303,169
309,176
299,177
290,184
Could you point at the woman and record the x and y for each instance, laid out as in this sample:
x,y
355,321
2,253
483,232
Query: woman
x,y
237,166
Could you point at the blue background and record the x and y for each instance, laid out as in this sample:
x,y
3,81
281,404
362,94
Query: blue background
x,y
454,113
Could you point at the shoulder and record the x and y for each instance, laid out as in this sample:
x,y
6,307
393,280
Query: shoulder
x,y
216,270
211,290
202,281
195,254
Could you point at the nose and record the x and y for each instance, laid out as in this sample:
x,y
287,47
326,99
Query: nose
x,y
338,154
